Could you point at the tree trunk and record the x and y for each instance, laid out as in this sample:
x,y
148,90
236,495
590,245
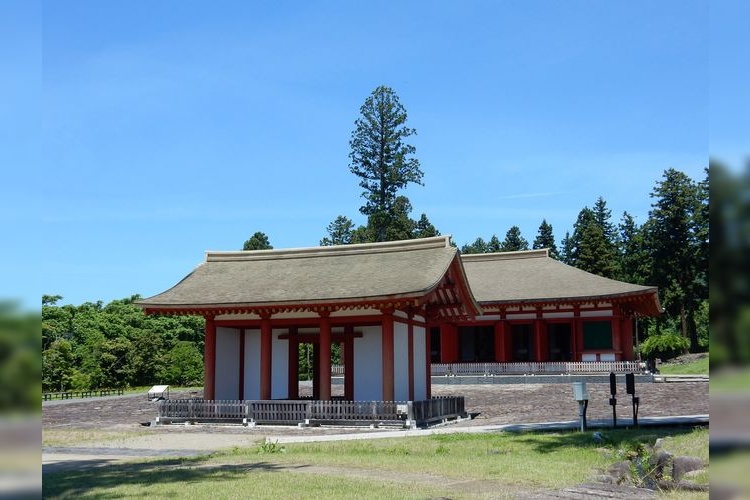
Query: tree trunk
x,y
692,331
683,321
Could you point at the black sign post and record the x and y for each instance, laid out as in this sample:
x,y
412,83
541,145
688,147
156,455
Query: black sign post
x,y
613,399
630,389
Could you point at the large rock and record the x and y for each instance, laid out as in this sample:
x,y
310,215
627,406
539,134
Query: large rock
x,y
621,472
681,465
659,463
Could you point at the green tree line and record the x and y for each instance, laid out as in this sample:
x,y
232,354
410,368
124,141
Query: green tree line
x,y
116,345
669,250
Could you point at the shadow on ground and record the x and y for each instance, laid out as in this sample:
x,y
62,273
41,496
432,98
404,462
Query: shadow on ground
x,y
615,438
73,480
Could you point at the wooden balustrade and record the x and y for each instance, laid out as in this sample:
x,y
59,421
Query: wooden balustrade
x,y
402,413
49,396
537,367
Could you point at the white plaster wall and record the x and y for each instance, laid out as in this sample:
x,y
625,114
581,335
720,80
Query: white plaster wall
x,y
368,371
521,316
420,367
551,315
252,364
595,314
279,367
227,363
401,361
489,317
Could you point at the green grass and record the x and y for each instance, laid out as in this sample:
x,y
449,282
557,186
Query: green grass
x,y
77,437
172,388
450,465
697,367
193,479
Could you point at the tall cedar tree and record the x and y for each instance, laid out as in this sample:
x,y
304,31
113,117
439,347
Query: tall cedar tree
x,y
546,239
591,246
674,236
566,252
382,160
514,241
635,262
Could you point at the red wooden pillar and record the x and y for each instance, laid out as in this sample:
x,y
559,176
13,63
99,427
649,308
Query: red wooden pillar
x,y
627,339
578,334
500,351
241,384
410,350
539,340
266,346
428,361
616,336
293,365
448,343
387,353
349,363
508,340
324,374
209,359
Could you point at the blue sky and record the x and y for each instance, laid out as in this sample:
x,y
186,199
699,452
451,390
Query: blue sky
x,y
171,128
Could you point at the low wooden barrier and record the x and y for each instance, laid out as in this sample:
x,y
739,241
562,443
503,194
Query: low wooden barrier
x,y
49,396
401,413
537,367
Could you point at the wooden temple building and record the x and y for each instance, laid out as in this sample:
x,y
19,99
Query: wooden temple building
x,y
395,307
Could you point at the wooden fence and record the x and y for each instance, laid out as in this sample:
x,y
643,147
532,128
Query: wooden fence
x,y
402,413
546,367
528,367
49,396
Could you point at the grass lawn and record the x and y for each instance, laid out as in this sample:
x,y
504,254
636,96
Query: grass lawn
x,y
493,465
697,367
78,437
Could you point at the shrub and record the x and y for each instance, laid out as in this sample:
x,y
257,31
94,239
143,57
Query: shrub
x,y
665,345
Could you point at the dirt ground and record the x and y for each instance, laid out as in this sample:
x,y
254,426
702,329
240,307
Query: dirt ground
x,y
490,404
114,430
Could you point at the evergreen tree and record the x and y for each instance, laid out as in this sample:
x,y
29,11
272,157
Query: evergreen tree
x,y
566,254
424,228
494,245
339,232
635,262
258,241
591,246
381,159
514,241
545,239
674,240
603,217
479,246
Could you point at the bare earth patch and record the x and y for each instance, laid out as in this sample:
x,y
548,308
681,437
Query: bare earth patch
x,y
102,431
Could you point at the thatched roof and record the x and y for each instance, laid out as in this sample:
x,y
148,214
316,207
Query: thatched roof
x,y
532,277
337,275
